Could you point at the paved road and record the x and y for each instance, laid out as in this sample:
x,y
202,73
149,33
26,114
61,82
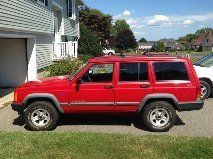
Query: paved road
x,y
196,123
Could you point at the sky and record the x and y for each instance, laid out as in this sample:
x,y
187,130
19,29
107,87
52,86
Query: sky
x,y
157,19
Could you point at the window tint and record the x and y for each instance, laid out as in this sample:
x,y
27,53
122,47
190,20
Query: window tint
x,y
133,72
170,71
99,73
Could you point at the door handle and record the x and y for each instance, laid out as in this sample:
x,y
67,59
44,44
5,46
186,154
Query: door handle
x,y
145,85
108,87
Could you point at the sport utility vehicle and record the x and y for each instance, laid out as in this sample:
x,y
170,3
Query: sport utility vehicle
x,y
155,87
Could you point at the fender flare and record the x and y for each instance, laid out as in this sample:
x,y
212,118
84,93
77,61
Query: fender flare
x,y
157,96
44,95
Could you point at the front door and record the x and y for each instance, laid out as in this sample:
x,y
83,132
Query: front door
x,y
134,83
95,93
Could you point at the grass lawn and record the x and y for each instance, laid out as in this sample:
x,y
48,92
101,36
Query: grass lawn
x,y
104,146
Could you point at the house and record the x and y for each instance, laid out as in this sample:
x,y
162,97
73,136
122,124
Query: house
x,y
33,34
171,45
203,43
146,46
196,44
208,43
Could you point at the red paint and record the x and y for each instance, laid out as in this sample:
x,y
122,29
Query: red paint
x,y
67,91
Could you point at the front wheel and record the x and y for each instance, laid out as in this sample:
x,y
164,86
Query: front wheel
x,y
159,116
41,116
205,90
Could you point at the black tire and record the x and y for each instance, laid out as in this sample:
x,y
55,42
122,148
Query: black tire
x,y
208,90
110,54
41,105
161,105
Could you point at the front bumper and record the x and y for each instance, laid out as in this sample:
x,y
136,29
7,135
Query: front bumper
x,y
190,106
18,108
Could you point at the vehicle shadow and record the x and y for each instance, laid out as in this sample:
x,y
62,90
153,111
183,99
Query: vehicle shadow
x,y
97,120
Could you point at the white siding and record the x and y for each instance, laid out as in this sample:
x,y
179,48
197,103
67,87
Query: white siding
x,y
25,15
44,49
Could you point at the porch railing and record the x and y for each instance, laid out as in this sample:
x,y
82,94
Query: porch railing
x,y
64,50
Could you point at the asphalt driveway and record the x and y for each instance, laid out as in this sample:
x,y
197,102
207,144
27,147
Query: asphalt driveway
x,y
195,123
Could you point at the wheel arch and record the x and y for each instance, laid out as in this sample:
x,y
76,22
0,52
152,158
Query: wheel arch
x,y
207,80
158,97
42,97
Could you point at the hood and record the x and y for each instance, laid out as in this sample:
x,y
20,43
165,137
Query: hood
x,y
204,72
59,80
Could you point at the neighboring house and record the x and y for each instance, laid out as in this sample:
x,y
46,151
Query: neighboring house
x,y
172,45
33,34
197,43
208,43
203,43
144,46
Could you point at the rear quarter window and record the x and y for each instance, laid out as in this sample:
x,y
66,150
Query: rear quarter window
x,y
165,71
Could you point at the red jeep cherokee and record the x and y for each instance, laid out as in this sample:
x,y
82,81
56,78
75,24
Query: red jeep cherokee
x,y
153,86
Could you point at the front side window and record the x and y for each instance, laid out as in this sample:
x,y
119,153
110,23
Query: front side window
x,y
133,72
170,71
101,73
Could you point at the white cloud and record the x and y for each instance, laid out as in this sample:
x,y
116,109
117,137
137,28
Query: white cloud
x,y
188,22
131,21
127,13
139,33
158,20
124,15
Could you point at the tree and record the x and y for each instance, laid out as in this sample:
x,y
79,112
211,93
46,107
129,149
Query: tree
x,y
142,40
89,43
204,31
126,40
97,22
160,47
120,26
186,40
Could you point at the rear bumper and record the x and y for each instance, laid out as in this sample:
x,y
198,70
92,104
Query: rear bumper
x,y
18,108
190,106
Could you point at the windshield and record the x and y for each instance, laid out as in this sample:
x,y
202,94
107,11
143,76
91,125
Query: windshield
x,y
207,61
81,68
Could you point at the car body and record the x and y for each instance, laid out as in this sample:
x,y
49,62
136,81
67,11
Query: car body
x,y
154,87
204,70
108,51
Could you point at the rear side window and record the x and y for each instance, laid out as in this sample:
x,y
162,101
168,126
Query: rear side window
x,y
133,72
170,71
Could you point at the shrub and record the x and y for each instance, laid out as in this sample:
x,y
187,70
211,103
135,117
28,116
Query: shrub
x,y
65,67
84,57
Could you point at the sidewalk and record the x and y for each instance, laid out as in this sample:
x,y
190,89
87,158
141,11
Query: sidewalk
x,y
6,100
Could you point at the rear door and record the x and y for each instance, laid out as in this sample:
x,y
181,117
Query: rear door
x,y
133,84
173,77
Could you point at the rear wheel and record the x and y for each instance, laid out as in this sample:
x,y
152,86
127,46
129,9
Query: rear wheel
x,y
110,54
41,116
159,116
205,90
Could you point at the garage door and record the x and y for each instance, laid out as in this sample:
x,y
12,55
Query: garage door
x,y
13,65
